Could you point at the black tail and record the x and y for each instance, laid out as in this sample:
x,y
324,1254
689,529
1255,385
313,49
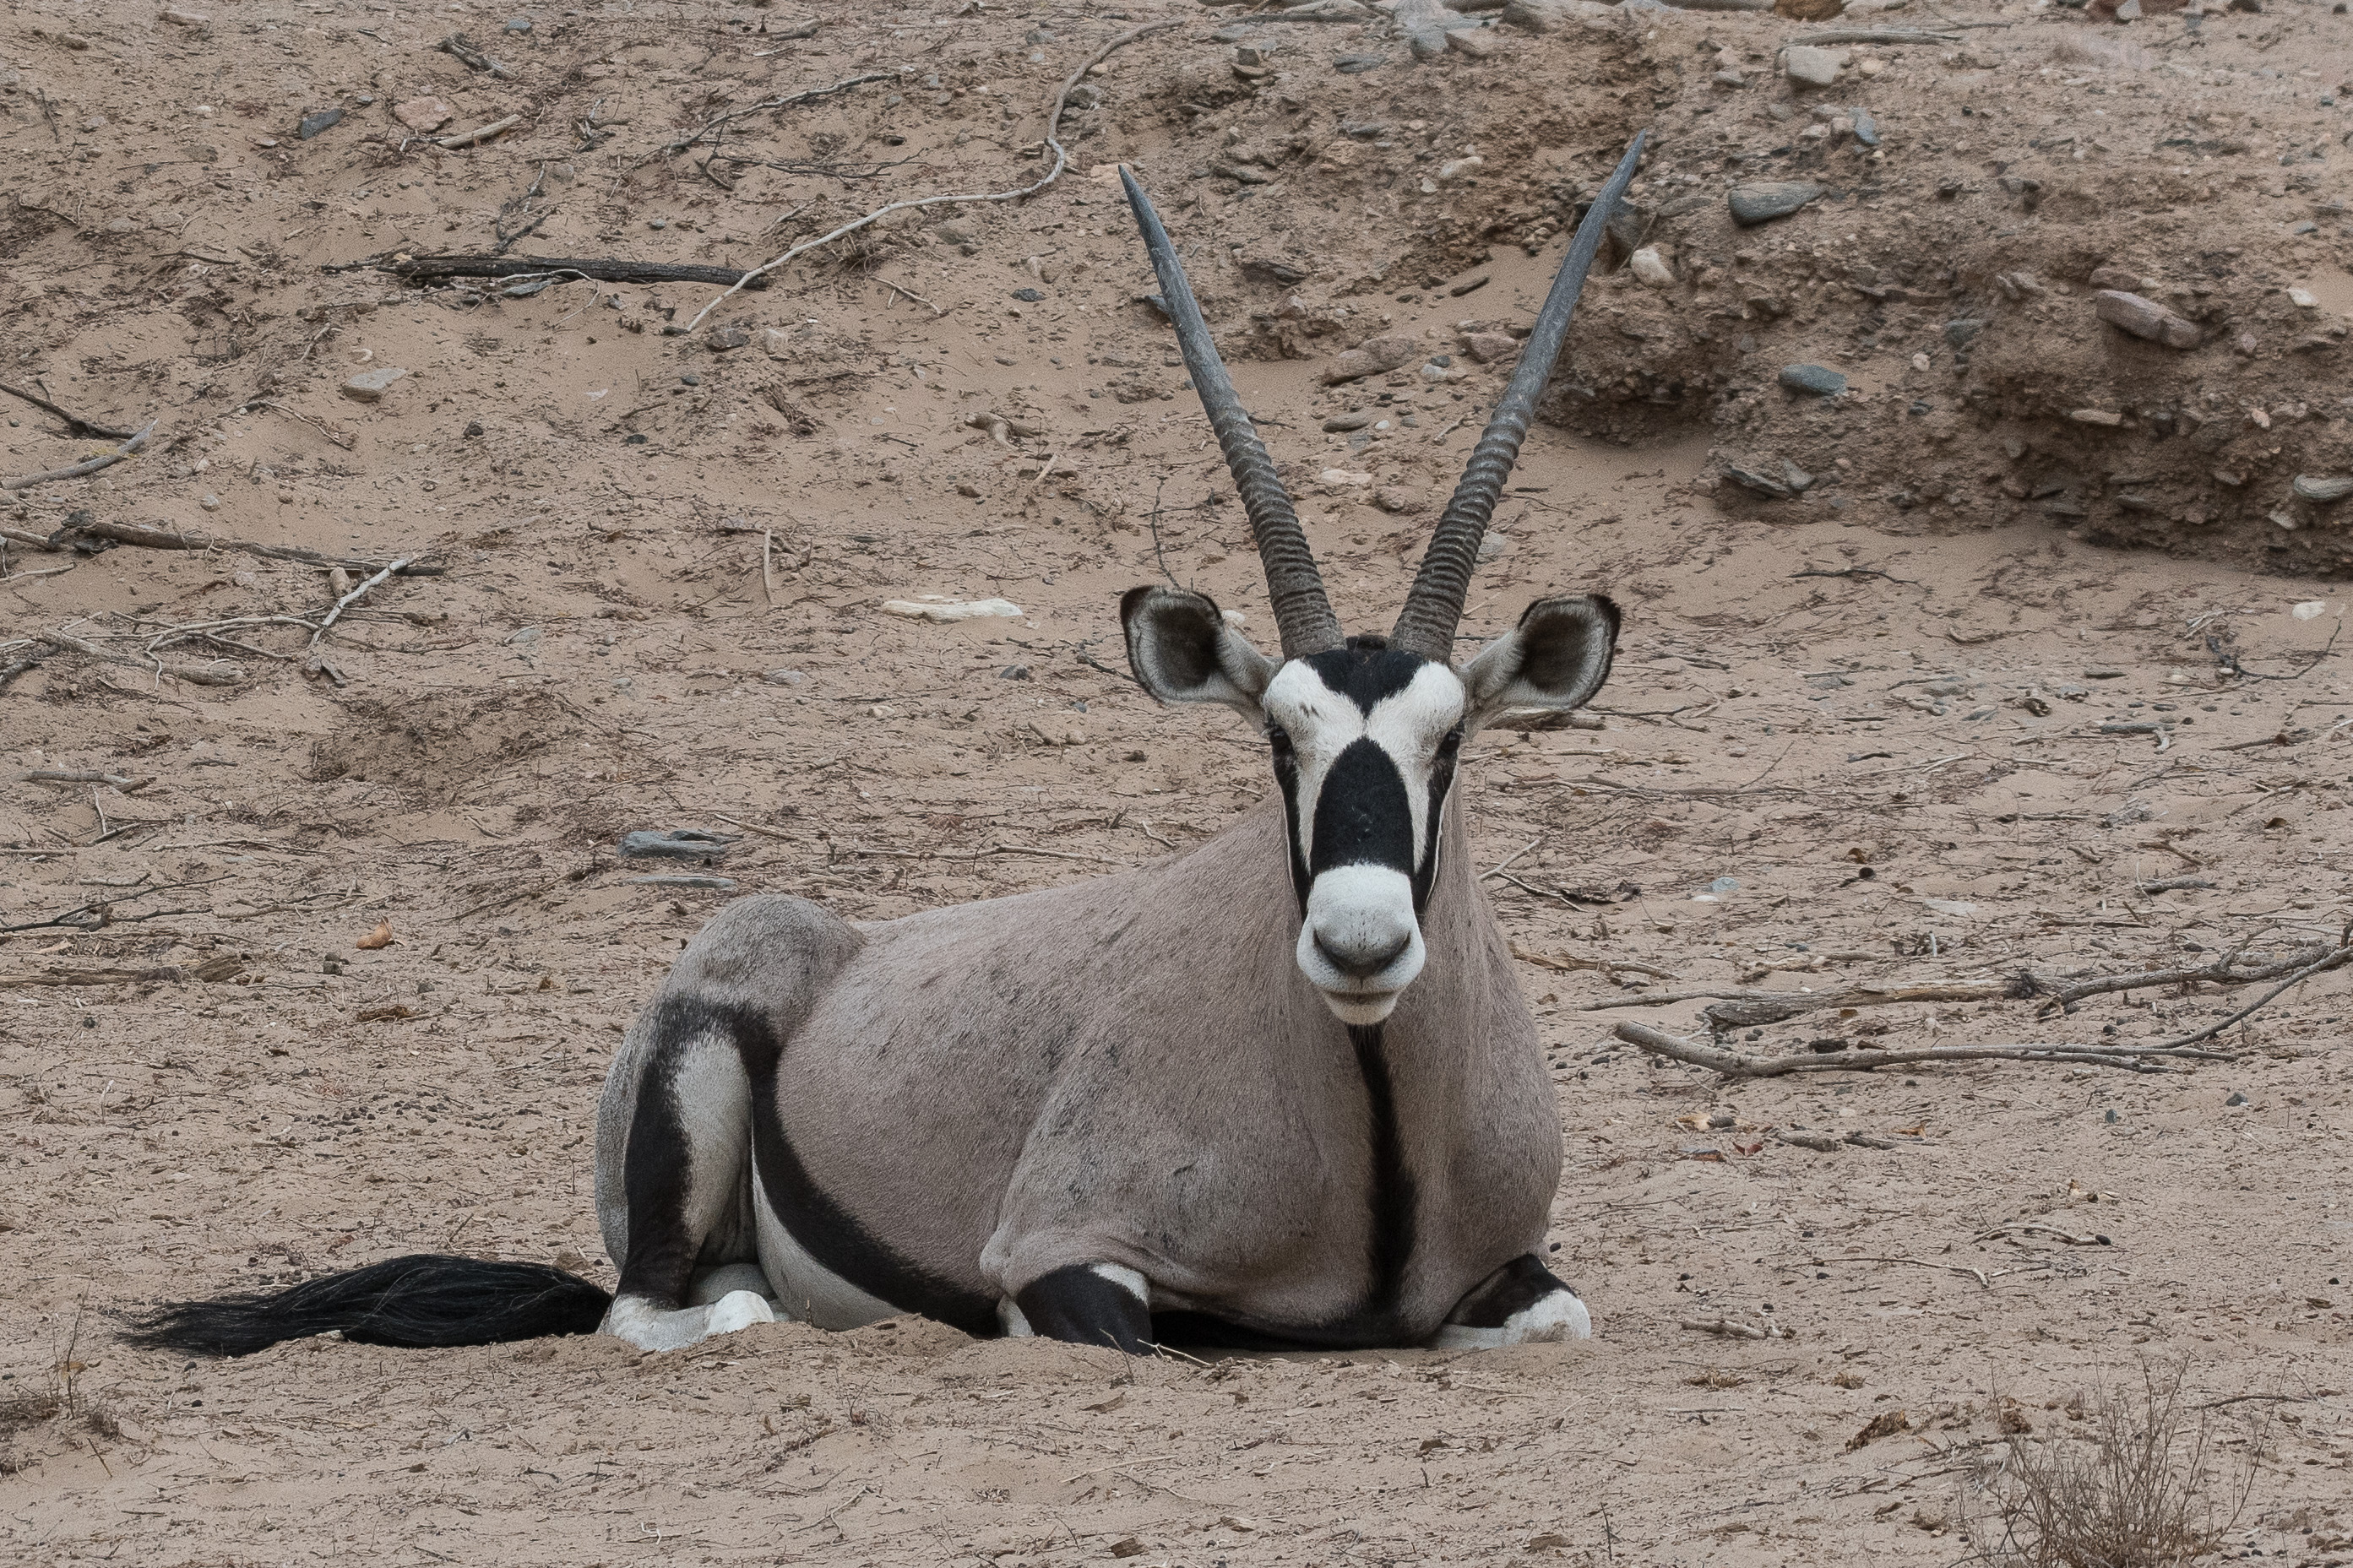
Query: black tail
x,y
420,1300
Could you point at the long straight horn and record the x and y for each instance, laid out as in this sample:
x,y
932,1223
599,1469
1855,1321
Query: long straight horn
x,y
1301,613
1426,626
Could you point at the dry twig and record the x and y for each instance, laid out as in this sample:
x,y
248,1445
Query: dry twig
x,y
75,424
1739,1064
87,465
1062,161
353,597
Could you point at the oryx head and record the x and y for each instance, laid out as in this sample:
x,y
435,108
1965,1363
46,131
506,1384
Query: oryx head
x,y
1364,730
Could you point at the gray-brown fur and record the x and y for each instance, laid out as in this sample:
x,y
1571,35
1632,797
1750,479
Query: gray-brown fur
x,y
1132,1069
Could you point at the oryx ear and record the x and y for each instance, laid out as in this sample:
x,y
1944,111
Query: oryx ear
x,y
1557,657
1182,650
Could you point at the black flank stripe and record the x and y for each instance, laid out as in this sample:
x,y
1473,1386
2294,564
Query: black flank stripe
x,y
831,1233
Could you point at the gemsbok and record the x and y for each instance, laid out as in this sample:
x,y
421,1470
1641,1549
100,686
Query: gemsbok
x,y
1280,1091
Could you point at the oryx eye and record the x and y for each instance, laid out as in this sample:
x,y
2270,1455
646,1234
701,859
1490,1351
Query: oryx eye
x,y
1450,743
1278,741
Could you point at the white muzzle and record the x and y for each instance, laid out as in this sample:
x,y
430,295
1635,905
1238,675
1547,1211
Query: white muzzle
x,y
1360,944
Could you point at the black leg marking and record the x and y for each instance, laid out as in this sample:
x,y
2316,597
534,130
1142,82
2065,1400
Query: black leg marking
x,y
1076,1304
1516,1287
657,1169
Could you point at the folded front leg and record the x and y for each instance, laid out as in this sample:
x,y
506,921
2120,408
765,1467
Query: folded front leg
x,y
1520,1303
1087,1304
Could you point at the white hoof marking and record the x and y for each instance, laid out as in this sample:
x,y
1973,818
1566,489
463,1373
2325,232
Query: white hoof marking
x,y
1548,1321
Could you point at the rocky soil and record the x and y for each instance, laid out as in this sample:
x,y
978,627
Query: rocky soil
x,y
1984,587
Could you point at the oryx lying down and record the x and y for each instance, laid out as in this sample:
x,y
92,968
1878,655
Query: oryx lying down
x,y
1282,1090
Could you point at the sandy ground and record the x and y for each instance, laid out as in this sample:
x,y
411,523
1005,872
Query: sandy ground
x,y
1808,692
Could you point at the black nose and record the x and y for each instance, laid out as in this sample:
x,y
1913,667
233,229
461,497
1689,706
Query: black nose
x,y
1362,964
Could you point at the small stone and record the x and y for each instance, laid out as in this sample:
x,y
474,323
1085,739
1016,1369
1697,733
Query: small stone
x,y
1477,43
1014,672
1651,268
1959,332
1551,15
519,24
784,677
726,338
2304,299
317,120
1341,424
1489,347
2106,418
1948,687
1765,200
2096,672
779,344
179,18
1871,67
2121,277
1397,499
1729,79
1765,485
1495,545
1028,296
1373,356
1427,43
2144,318
1357,65
1456,168
423,113
370,384
473,426
1819,380
1866,129
210,502
2236,1098
1812,67
2325,489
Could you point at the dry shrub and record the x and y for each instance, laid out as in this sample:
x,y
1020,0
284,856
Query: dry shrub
x,y
59,1397
2140,1484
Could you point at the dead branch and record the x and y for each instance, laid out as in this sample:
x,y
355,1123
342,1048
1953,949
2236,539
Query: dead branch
x,y
809,95
87,465
2335,960
1773,1006
2221,972
353,597
1739,1064
167,974
1568,964
127,784
75,424
28,539
148,538
1725,1328
1062,161
463,48
220,672
479,133
1875,35
1976,1274
602,269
